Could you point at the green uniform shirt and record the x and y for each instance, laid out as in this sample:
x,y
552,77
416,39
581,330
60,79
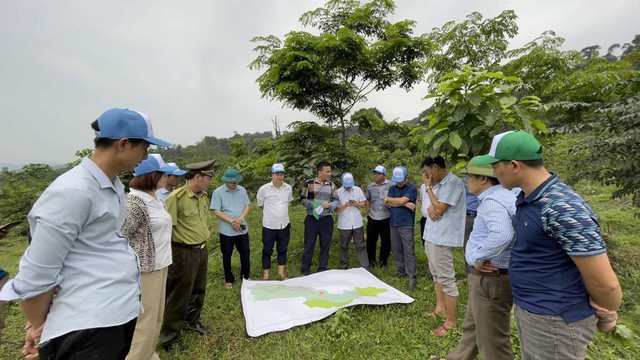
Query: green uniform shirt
x,y
190,214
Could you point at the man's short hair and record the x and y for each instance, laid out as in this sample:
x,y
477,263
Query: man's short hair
x,y
105,143
322,165
429,161
537,163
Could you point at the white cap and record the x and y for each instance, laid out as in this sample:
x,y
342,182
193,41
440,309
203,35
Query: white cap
x,y
380,169
347,180
277,168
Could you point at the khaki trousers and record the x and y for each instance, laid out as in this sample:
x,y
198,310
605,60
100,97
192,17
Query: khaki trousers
x,y
145,337
486,328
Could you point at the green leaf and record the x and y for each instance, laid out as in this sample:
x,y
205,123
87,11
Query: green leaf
x,y
428,137
507,101
474,99
455,140
476,130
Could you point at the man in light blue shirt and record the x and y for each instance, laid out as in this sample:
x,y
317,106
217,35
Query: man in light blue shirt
x,y
444,230
79,254
487,324
230,204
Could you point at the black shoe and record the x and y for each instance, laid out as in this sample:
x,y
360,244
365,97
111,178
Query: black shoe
x,y
383,264
412,285
174,348
198,328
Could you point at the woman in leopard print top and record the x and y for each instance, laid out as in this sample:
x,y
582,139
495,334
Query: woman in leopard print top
x,y
148,226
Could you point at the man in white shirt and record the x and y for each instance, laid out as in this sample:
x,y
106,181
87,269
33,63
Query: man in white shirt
x,y
350,224
274,198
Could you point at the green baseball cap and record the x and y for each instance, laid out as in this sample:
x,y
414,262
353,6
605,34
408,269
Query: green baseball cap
x,y
512,145
473,168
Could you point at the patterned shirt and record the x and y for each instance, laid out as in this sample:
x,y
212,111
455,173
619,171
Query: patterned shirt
x,y
375,194
552,224
314,190
493,236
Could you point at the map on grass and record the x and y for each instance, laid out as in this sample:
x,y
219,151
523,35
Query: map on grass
x,y
280,305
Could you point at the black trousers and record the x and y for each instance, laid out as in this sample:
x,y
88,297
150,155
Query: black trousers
x,y
322,228
241,243
375,228
423,223
108,343
186,286
279,237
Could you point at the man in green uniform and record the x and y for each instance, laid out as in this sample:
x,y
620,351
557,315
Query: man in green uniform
x,y
187,279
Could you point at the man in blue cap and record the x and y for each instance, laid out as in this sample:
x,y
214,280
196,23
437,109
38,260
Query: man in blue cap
x,y
562,282
173,180
350,224
378,217
79,255
401,200
274,198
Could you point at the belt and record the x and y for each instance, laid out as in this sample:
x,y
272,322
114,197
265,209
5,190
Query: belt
x,y
474,271
187,246
471,213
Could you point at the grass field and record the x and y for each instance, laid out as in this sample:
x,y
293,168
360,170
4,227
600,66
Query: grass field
x,y
363,332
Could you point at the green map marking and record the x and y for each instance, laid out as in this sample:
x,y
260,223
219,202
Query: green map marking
x,y
315,298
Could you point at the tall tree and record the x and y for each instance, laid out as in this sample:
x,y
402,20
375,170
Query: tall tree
x,y
476,42
357,51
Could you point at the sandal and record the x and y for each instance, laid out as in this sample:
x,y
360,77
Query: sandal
x,y
441,331
228,286
283,277
436,315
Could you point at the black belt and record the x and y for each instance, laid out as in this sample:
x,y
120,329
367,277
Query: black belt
x,y
187,246
471,213
474,271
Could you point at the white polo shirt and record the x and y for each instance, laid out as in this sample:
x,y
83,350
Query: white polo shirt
x,y
350,218
275,205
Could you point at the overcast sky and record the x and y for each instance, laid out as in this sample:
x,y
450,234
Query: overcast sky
x,y
62,63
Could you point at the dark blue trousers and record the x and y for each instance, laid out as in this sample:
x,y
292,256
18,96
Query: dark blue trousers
x,y
279,237
313,228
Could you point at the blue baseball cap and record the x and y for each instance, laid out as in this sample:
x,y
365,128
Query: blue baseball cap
x,y
399,174
347,180
380,169
176,170
119,123
152,163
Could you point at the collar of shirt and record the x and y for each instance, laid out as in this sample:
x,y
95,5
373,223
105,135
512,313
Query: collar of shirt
x,y
538,192
445,179
101,177
315,180
488,192
141,194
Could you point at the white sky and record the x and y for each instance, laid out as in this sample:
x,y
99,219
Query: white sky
x,y
62,63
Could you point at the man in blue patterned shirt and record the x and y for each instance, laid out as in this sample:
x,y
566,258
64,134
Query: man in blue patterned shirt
x,y
487,323
563,285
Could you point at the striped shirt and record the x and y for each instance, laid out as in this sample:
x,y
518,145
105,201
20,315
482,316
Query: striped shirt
x,y
314,190
493,236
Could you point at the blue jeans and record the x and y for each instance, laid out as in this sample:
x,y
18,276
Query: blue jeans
x,y
545,337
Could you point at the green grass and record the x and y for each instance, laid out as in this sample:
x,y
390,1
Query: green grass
x,y
361,332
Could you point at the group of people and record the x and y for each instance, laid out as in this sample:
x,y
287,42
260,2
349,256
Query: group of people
x,y
107,276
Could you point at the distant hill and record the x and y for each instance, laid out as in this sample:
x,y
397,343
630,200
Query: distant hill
x,y
16,167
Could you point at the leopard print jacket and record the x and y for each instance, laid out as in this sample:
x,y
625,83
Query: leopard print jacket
x,y
137,227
